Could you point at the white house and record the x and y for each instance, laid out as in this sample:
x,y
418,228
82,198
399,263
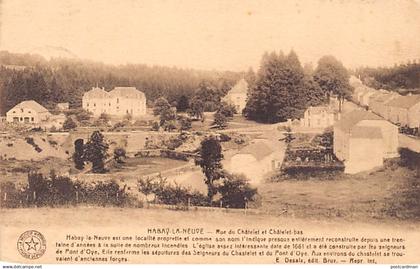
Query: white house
x,y
319,117
362,140
120,101
27,112
405,111
255,160
63,106
237,96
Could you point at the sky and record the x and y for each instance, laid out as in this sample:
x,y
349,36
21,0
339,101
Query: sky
x,y
215,34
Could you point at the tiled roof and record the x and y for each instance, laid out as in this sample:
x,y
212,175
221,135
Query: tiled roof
x,y
96,93
405,101
370,132
128,92
352,118
320,109
259,150
32,105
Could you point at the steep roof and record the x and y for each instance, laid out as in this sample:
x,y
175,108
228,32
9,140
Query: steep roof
x,y
352,118
96,93
320,109
405,101
32,105
240,87
369,132
259,150
127,92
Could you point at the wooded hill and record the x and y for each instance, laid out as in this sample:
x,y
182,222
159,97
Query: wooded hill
x,y
25,76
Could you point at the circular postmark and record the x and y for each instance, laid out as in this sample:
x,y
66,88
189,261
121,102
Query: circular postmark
x,y
31,244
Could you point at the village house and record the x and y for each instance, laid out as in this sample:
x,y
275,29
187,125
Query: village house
x,y
237,96
365,96
405,111
27,112
120,101
319,117
378,102
255,160
62,106
362,140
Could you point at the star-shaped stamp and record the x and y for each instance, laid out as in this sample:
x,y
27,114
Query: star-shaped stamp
x,y
31,244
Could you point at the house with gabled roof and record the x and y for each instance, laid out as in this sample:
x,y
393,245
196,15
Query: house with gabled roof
x,y
28,112
405,111
238,95
319,117
362,140
255,160
378,103
120,101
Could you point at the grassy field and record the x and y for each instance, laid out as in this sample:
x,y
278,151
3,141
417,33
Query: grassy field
x,y
388,194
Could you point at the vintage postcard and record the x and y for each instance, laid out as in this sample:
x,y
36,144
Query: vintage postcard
x,y
195,131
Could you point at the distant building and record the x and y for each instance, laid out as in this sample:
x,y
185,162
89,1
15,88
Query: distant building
x,y
255,160
28,112
362,140
378,103
120,101
63,106
237,96
319,117
405,111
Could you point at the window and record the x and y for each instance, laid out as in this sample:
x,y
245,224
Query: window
x,y
21,110
32,119
94,104
118,100
14,111
29,111
87,104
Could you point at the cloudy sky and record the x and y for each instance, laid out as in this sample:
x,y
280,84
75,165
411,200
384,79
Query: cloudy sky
x,y
213,34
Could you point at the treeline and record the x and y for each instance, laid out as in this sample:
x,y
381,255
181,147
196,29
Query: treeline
x,y
24,76
283,89
405,76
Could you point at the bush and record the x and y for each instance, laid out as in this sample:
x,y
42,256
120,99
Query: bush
x,y
155,126
171,194
58,190
69,124
224,138
31,142
236,191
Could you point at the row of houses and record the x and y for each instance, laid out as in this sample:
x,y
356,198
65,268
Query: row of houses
x,y
401,110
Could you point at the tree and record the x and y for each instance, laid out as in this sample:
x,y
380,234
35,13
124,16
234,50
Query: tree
x,y
196,108
103,120
96,152
226,109
69,124
168,118
160,105
332,77
185,123
183,103
119,155
208,94
210,163
279,91
78,155
236,191
220,120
